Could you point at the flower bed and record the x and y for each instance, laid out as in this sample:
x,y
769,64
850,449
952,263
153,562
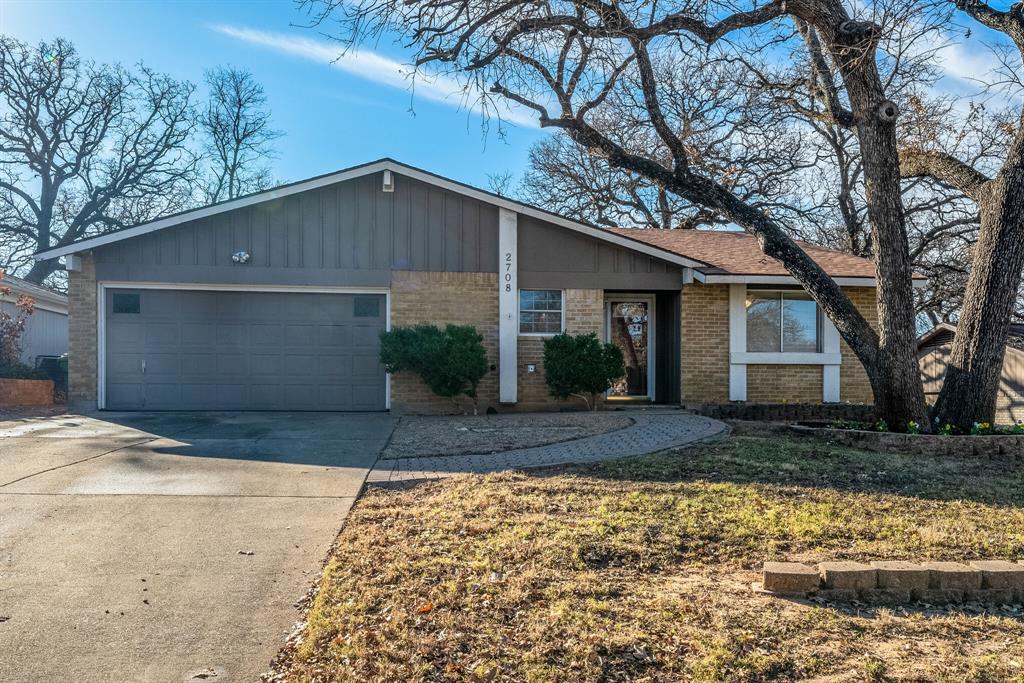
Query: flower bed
x,y
16,393
986,443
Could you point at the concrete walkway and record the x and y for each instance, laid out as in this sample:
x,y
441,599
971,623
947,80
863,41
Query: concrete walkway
x,y
653,430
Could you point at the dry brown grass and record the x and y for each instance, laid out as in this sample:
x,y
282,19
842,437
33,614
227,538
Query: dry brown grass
x,y
640,570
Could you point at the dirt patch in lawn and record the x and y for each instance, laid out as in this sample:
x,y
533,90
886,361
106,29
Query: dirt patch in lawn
x,y
462,435
640,570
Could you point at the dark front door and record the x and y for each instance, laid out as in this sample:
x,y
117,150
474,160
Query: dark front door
x,y
630,323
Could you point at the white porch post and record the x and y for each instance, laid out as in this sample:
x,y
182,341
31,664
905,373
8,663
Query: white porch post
x,y
508,306
830,373
737,341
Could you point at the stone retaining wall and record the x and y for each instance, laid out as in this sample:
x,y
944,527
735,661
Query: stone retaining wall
x,y
995,582
1009,447
788,412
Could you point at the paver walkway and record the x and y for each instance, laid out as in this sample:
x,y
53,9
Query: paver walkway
x,y
651,432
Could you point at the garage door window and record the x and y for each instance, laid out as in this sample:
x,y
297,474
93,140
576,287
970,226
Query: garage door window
x,y
366,307
127,302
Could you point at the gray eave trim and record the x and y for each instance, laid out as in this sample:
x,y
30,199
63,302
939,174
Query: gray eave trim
x,y
358,172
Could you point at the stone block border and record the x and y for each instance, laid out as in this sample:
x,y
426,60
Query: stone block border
x,y
993,582
1004,447
787,412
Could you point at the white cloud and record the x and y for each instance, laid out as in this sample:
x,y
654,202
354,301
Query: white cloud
x,y
374,67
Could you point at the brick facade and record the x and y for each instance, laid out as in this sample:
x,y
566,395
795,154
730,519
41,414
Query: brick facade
x,y
584,313
435,298
705,356
704,344
853,381
82,364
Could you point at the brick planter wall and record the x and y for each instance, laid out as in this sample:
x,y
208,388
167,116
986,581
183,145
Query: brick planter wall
x,y
1008,448
25,392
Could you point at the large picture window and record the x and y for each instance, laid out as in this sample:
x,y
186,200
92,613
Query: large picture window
x,y
782,321
540,311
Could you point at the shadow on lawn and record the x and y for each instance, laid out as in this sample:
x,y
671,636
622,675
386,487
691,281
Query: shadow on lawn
x,y
804,462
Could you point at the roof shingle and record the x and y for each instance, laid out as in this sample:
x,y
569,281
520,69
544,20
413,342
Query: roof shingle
x,y
737,253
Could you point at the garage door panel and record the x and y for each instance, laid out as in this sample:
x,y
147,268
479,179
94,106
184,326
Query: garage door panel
x,y
124,393
271,335
206,350
299,335
367,336
232,365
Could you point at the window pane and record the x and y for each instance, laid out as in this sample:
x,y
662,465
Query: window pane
x,y
763,322
126,302
366,307
540,311
799,323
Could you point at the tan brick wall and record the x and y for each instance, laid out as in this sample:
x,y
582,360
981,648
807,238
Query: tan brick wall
x,y
704,375
853,381
584,313
82,365
784,383
438,299
705,356
25,392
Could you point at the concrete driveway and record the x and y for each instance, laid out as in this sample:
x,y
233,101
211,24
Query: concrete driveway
x,y
167,546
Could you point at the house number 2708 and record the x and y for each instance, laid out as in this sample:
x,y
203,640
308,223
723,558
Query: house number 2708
x,y
508,271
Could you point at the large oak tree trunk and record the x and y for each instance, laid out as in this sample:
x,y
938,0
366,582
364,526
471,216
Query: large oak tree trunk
x,y
970,390
894,373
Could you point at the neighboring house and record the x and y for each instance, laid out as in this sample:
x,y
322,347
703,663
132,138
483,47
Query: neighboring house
x,y
46,331
275,301
933,350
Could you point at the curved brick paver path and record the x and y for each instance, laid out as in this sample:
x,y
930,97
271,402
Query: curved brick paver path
x,y
651,432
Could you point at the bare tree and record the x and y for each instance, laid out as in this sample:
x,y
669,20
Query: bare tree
x,y
565,59
238,137
733,133
85,149
501,183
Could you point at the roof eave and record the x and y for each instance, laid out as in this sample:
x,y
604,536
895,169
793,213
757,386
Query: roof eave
x,y
358,172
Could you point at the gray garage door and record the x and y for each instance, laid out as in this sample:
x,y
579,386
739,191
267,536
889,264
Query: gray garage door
x,y
210,350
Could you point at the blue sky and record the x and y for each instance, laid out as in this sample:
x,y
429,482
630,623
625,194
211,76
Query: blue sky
x,y
333,115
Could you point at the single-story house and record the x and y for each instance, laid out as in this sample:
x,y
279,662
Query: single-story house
x,y
933,349
275,301
46,330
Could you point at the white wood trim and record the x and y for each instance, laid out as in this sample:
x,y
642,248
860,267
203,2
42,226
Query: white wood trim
x,y
101,315
785,358
508,306
737,341
358,172
652,339
830,373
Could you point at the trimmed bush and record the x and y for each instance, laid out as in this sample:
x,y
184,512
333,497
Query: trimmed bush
x,y
581,366
451,361
20,371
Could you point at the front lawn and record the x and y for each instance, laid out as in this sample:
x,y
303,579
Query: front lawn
x,y
640,570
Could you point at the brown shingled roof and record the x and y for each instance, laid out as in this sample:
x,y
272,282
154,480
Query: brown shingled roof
x,y
737,253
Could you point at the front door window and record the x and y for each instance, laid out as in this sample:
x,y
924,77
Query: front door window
x,y
630,327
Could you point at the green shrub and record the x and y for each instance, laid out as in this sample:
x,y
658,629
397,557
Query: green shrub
x,y
581,366
451,361
20,371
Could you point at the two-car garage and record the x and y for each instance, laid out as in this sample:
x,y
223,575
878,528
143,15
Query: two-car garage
x,y
188,349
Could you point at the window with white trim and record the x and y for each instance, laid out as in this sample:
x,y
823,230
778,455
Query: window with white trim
x,y
782,321
540,311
